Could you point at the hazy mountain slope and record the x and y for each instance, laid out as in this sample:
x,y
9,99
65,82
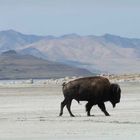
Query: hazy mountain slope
x,y
11,39
13,66
106,53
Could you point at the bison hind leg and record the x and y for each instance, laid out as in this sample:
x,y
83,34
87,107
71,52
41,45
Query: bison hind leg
x,y
69,107
67,102
88,108
62,106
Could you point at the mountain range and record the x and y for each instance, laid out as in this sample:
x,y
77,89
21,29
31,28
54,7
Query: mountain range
x,y
16,66
101,54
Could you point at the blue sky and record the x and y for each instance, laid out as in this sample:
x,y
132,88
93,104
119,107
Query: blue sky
x,y
84,17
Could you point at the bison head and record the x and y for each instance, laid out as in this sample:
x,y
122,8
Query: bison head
x,y
115,94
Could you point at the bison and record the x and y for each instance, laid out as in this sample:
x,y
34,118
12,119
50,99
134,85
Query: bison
x,y
96,90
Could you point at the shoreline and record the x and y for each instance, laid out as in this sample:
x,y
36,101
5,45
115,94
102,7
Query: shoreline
x,y
59,82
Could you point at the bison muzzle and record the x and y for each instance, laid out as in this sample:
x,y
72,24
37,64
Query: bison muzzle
x,y
96,90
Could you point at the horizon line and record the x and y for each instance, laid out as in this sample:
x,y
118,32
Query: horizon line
x,y
67,34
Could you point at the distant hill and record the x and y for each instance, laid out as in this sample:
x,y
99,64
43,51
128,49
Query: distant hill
x,y
12,40
16,66
107,53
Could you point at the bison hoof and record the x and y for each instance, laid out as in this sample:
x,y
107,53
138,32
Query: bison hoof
x,y
107,114
60,114
72,115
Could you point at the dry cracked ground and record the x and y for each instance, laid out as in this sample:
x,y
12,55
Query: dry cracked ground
x,y
31,113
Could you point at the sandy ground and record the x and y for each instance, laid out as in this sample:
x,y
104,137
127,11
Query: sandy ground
x,y
31,113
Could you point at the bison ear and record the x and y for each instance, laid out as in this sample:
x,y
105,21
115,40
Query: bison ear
x,y
115,88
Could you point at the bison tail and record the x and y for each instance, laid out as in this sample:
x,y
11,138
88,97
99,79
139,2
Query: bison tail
x,y
64,84
78,102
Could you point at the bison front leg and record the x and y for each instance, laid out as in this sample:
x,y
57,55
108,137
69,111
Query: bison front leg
x,y
103,108
88,108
